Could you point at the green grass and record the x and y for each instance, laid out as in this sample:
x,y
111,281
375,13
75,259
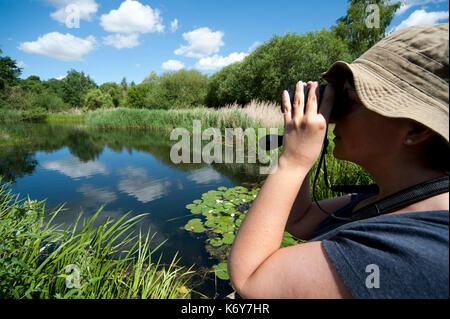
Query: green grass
x,y
41,260
168,120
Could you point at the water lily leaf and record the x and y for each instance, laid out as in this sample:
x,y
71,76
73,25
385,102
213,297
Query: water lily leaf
x,y
222,188
195,225
228,238
221,271
216,242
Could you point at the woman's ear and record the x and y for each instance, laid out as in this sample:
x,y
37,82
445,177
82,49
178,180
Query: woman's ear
x,y
418,134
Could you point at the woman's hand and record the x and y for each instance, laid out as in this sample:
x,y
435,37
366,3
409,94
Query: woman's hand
x,y
305,127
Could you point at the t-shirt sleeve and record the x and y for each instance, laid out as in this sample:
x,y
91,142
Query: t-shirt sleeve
x,y
392,257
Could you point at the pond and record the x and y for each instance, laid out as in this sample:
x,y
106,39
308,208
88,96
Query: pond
x,y
126,170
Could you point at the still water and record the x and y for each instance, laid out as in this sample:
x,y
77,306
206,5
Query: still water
x,y
124,170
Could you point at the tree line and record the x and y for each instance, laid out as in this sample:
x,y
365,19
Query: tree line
x,y
272,67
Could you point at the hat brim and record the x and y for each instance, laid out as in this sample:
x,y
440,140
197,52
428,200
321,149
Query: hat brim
x,y
382,95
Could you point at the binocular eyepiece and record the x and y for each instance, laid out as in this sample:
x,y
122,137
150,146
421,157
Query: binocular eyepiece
x,y
339,109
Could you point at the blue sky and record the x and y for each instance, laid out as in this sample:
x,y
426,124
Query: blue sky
x,y
115,38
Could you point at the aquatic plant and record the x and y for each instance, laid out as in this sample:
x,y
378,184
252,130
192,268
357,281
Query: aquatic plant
x,y
220,213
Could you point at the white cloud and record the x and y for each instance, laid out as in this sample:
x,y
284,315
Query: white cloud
x,y
85,8
64,47
172,65
217,61
254,46
74,168
422,17
202,42
61,77
21,64
94,196
136,183
121,41
204,176
405,5
132,17
174,25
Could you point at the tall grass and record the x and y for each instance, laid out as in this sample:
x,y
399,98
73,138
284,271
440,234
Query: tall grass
x,y
41,260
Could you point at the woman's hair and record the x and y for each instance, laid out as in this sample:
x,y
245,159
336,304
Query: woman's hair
x,y
437,152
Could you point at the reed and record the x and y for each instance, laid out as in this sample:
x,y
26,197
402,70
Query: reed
x,y
41,260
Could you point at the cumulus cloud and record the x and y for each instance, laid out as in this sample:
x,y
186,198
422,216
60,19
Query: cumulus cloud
x,y
74,168
174,25
422,17
172,65
136,183
85,8
217,61
205,175
132,17
201,42
405,5
254,46
121,41
64,47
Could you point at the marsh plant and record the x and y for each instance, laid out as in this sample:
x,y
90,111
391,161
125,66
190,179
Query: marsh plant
x,y
219,214
41,260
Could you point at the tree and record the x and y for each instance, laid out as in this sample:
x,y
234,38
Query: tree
x,y
182,89
275,66
113,90
95,99
361,28
75,87
136,96
9,72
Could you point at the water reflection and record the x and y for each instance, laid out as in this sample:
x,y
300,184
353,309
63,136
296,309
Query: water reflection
x,y
135,182
124,170
74,168
205,175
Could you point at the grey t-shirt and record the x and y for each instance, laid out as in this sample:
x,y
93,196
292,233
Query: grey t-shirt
x,y
389,256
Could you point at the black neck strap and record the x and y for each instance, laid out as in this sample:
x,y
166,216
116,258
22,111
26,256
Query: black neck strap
x,y
403,198
386,205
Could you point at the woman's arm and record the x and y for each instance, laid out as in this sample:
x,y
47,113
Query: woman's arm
x,y
257,265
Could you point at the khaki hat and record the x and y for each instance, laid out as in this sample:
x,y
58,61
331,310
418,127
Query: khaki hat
x,y
405,75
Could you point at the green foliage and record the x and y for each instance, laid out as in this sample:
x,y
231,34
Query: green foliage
x,y
352,27
38,258
274,66
75,87
223,211
137,96
51,102
9,72
113,89
182,89
96,98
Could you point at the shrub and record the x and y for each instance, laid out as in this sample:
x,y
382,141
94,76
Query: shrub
x,y
136,96
51,102
96,99
276,65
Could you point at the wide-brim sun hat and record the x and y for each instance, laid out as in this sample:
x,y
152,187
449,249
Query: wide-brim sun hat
x,y
405,75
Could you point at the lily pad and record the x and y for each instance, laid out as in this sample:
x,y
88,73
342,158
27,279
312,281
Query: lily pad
x,y
221,271
195,225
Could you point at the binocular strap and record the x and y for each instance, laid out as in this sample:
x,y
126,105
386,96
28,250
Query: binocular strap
x,y
403,198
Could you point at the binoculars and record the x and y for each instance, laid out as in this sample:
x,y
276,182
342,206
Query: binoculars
x,y
340,108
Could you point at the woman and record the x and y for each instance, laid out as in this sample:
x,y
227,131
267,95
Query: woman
x,y
397,95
